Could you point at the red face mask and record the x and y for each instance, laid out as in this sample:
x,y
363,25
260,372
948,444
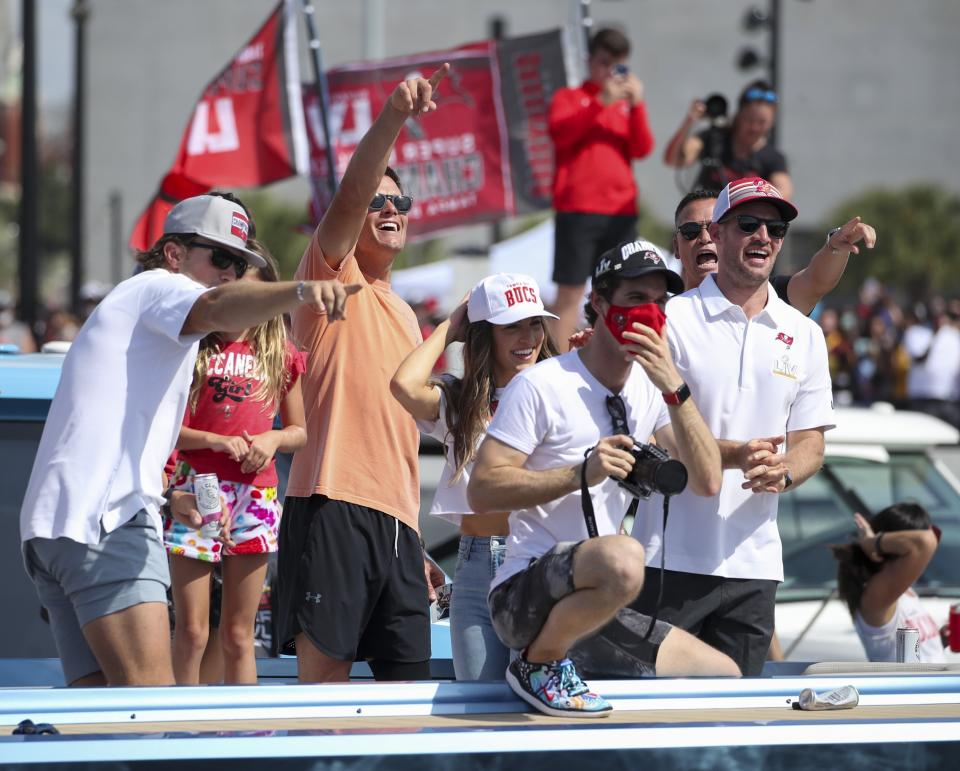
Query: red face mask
x,y
621,318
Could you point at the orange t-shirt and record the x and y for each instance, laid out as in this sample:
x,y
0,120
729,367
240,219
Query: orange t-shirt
x,y
361,444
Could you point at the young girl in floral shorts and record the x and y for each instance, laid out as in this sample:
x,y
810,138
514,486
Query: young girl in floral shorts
x,y
240,382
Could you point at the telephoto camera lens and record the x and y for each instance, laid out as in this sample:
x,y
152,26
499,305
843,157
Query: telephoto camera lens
x,y
716,105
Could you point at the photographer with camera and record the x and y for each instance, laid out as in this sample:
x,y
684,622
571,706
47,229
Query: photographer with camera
x,y
730,152
572,423
757,368
597,129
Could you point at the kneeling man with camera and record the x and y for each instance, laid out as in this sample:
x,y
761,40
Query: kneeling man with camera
x,y
563,441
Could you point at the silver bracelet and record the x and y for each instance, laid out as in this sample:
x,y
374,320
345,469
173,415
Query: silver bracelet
x,y
300,288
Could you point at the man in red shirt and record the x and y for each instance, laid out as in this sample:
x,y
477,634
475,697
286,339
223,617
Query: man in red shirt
x,y
597,129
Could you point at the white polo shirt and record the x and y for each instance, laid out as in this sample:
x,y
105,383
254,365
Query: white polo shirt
x,y
553,412
116,414
750,379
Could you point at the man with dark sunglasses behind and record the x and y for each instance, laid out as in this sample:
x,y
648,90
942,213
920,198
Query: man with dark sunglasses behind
x,y
694,247
90,521
351,571
757,368
560,596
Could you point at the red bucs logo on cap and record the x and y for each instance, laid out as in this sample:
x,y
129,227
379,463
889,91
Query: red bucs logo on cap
x,y
521,293
239,225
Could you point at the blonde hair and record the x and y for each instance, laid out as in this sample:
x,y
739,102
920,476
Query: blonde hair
x,y
268,341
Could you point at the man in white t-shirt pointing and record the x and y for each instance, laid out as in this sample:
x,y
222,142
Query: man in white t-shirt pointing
x,y
557,586
90,522
756,368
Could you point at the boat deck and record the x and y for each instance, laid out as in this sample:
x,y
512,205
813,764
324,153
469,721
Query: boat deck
x,y
442,719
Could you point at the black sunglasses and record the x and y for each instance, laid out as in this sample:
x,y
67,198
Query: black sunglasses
x,y
222,259
618,414
691,230
401,203
749,224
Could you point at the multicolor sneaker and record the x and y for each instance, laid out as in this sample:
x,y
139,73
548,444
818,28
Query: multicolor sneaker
x,y
555,689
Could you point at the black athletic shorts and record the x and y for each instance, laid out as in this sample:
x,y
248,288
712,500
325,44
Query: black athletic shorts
x,y
579,239
351,579
627,646
734,615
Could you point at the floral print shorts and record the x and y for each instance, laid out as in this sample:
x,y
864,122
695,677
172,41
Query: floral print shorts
x,y
254,521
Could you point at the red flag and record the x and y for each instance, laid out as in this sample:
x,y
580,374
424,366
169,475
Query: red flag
x,y
246,130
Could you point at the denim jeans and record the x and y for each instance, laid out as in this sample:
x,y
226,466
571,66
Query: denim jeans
x,y
478,653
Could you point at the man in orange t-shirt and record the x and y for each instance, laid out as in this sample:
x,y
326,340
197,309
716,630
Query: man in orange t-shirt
x,y
351,571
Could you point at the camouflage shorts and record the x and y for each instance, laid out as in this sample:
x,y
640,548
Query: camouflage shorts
x,y
627,646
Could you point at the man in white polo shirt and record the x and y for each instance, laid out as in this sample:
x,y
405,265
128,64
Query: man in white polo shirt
x,y
90,521
756,368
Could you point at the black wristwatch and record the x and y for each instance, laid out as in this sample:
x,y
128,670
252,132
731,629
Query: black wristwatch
x,y
830,234
787,480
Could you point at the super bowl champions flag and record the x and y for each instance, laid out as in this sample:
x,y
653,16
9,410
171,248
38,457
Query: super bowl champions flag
x,y
484,156
247,129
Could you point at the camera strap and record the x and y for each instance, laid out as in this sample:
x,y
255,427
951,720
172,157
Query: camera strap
x,y
590,519
586,502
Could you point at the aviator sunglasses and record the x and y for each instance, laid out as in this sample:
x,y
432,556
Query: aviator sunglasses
x,y
222,259
691,230
749,224
401,203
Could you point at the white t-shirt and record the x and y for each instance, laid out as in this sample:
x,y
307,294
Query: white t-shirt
x,y
938,377
880,642
116,414
450,500
917,339
553,412
749,379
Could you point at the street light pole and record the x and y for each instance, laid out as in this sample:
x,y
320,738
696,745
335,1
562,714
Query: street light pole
x,y
28,257
773,62
80,13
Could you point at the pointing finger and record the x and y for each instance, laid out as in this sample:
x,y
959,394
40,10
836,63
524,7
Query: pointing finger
x,y
439,75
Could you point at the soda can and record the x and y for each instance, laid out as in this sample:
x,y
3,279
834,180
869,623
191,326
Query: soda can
x,y
207,489
908,645
954,628
844,697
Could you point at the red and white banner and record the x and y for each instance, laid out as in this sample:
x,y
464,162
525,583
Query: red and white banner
x,y
247,129
481,156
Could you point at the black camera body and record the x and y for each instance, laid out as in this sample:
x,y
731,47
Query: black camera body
x,y
654,471
716,107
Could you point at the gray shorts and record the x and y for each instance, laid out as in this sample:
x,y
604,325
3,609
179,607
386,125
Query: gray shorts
x,y
78,583
626,647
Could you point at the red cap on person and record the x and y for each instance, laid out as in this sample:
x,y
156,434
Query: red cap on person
x,y
742,191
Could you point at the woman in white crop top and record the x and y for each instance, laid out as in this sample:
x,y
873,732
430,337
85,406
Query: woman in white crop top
x,y
875,575
503,331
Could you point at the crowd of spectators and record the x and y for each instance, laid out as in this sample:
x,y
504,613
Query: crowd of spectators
x,y
902,353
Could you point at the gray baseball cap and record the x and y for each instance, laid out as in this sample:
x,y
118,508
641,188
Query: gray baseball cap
x,y
215,219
